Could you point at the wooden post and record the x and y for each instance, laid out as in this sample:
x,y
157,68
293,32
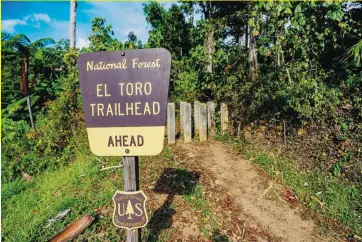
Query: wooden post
x,y
182,117
196,117
224,117
171,123
238,135
203,122
211,117
131,183
187,122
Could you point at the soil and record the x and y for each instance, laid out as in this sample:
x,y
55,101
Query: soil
x,y
252,206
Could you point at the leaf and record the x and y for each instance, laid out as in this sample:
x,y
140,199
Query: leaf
x,y
356,52
288,11
298,9
5,36
251,22
22,39
18,42
16,106
42,43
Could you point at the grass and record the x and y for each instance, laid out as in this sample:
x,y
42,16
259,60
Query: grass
x,y
207,223
82,187
326,194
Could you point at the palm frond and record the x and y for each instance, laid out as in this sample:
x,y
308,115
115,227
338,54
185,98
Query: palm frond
x,y
14,107
46,55
5,36
18,42
14,45
356,52
43,42
8,44
18,106
22,39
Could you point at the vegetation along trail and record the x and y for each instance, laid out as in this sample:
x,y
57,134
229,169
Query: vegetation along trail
x,y
260,199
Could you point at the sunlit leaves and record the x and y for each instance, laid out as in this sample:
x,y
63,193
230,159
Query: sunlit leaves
x,y
356,53
43,42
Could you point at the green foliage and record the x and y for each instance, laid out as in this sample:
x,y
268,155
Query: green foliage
x,y
17,109
15,149
43,73
170,29
76,187
102,40
356,53
47,147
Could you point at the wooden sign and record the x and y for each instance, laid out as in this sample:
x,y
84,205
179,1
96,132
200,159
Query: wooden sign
x,y
130,210
125,96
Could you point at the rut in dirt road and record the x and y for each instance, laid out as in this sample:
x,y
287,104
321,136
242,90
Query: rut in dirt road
x,y
256,195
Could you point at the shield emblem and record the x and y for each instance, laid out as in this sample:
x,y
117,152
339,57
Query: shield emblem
x,y
130,209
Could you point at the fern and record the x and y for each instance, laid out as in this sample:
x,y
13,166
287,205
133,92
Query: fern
x,y
356,52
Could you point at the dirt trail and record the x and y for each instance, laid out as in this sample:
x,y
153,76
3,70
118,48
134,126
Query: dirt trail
x,y
258,197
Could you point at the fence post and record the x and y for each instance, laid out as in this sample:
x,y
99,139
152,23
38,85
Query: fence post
x,y
187,122
196,117
171,123
203,122
211,117
224,118
181,117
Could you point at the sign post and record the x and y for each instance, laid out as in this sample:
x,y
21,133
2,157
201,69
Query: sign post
x,y
125,95
131,184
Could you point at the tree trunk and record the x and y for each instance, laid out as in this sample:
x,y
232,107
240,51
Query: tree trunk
x,y
30,113
72,28
246,35
24,88
209,40
287,70
210,50
253,59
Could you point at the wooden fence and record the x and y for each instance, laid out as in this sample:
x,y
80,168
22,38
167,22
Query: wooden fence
x,y
204,120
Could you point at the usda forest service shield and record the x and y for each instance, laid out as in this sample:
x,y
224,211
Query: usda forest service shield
x,y
130,209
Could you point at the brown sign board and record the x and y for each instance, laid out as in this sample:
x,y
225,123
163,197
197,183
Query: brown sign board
x,y
130,210
125,95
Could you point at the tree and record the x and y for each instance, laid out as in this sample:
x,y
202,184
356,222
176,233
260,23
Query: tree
x,y
253,58
101,38
72,27
129,209
132,39
24,48
208,9
169,29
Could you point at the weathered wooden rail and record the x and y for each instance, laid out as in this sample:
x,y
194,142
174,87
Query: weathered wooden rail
x,y
203,120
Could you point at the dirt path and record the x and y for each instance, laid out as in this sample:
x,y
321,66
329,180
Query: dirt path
x,y
258,198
